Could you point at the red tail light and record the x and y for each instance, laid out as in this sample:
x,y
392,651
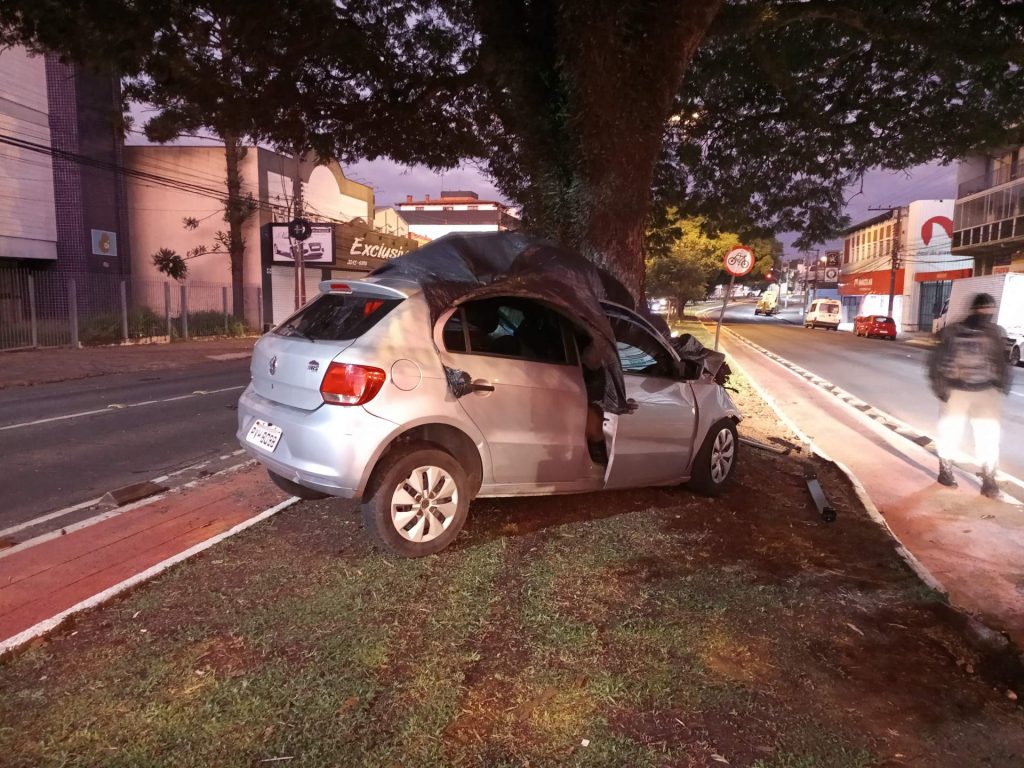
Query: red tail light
x,y
346,384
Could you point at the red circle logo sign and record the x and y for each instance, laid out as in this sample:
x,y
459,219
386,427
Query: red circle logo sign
x,y
739,261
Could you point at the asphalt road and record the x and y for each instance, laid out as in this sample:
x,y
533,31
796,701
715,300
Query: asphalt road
x,y
888,375
66,443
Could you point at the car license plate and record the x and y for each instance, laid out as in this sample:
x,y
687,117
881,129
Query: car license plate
x,y
264,434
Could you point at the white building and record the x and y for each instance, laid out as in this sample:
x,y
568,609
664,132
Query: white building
x,y
989,217
925,266
456,211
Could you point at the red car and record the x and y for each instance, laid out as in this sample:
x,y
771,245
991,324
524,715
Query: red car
x,y
875,325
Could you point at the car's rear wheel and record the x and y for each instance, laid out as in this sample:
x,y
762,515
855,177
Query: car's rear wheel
x,y
418,503
293,488
1015,356
714,466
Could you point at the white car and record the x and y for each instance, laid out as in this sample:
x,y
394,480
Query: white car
x,y
824,313
391,391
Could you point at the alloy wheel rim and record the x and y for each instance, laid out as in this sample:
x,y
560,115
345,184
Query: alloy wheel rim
x,y
423,505
722,454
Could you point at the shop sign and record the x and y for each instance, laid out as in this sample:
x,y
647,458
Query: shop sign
x,y
864,283
949,274
318,248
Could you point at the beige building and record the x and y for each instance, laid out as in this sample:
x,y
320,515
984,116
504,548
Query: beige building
x,y
188,182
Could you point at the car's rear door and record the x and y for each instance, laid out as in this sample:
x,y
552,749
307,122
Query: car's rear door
x,y
653,444
529,399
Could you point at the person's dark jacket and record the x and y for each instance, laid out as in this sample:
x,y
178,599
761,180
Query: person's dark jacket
x,y
970,356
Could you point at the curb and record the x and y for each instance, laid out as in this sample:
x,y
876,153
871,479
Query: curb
x,y
982,635
908,557
895,425
12,643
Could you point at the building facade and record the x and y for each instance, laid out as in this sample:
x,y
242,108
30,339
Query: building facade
x,y
456,211
63,214
168,184
988,219
908,251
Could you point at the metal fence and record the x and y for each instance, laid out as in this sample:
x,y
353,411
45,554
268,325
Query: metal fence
x,y
38,309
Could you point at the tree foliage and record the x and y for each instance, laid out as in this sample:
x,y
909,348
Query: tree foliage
x,y
752,114
169,262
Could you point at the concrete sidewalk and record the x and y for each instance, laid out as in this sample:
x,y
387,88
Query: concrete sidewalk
x,y
44,366
972,546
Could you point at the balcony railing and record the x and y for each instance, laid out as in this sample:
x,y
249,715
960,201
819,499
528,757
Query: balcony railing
x,y
999,175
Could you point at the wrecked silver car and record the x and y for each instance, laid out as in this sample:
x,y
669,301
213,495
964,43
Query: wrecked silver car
x,y
479,365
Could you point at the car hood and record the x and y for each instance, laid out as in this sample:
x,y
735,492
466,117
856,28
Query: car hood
x,y
462,267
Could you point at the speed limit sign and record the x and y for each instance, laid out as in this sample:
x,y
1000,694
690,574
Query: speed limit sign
x,y
739,261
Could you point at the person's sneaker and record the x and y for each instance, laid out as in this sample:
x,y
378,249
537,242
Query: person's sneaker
x,y
946,477
989,486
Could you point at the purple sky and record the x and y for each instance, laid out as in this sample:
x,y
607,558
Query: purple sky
x,y
392,182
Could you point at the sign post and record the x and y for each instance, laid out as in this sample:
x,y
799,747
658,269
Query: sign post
x,y
739,261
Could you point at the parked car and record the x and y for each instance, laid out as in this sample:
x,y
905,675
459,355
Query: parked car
x,y
875,325
824,313
455,372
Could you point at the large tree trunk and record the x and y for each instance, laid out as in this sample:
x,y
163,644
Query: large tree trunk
x,y
589,102
623,105
236,211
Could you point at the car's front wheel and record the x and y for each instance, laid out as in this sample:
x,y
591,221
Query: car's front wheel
x,y
714,466
418,503
1015,356
301,491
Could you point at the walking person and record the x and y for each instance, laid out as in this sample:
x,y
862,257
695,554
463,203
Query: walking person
x,y
970,374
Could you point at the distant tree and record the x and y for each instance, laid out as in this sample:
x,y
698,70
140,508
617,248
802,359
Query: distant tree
x,y
170,263
685,258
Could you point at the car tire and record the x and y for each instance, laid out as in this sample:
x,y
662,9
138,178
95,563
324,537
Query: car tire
x,y
385,516
715,464
294,489
1015,356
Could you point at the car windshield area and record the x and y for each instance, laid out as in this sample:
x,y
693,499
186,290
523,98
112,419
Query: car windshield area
x,y
881,319
639,352
830,308
336,317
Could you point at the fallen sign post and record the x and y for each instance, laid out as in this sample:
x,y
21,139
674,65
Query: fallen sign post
x,y
739,261
825,510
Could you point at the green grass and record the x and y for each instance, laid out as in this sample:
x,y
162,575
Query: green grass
x,y
296,640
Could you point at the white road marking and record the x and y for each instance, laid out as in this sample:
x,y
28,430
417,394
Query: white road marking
x,y
49,624
119,406
51,516
90,521
92,502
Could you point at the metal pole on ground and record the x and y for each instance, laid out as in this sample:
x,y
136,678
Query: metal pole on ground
x,y
33,322
259,309
725,303
224,298
124,311
73,312
167,308
184,312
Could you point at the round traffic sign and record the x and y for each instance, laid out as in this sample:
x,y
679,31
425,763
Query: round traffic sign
x,y
299,229
831,274
739,261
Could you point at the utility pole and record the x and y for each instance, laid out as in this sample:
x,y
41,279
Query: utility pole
x,y
300,270
894,257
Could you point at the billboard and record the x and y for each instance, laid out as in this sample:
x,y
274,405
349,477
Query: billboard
x,y
318,249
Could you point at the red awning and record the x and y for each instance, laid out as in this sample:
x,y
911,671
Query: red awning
x,y
949,274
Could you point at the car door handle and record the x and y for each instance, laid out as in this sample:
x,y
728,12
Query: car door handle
x,y
481,387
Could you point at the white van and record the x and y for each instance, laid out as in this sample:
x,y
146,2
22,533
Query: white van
x,y
824,313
